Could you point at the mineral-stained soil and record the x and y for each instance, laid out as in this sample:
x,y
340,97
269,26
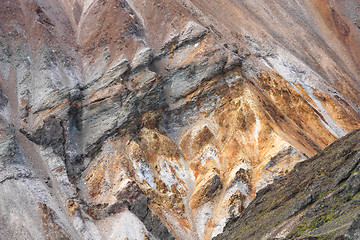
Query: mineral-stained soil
x,y
135,119
318,199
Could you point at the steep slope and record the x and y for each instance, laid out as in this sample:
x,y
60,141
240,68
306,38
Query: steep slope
x,y
166,116
320,198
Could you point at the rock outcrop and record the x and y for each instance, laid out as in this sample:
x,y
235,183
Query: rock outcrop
x,y
318,199
134,119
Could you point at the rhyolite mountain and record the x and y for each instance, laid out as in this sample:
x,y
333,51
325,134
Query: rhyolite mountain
x,y
163,119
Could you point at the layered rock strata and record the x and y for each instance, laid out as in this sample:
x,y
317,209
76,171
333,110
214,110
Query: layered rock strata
x,y
163,119
318,199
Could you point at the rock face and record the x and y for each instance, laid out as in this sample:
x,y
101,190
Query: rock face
x,y
319,198
134,119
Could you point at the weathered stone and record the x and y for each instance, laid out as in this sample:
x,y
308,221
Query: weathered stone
x,y
298,200
165,119
354,229
50,134
142,58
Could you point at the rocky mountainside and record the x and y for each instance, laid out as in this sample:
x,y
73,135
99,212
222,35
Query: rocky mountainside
x,y
319,198
135,119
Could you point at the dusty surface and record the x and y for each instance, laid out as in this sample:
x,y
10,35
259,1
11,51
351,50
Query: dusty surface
x,y
166,116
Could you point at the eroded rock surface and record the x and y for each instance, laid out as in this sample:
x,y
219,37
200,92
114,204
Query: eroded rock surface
x,y
318,199
163,119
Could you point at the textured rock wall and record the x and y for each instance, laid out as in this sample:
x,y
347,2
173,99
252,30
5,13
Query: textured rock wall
x,y
318,199
162,119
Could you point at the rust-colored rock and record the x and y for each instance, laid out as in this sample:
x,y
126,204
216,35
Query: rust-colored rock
x,y
134,119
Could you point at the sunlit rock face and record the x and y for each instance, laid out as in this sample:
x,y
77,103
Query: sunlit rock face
x,y
318,199
162,119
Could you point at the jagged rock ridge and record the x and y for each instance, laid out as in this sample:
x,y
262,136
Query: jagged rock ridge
x,y
168,116
319,199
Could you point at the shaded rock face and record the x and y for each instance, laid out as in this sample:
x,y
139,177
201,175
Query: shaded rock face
x,y
163,119
318,199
